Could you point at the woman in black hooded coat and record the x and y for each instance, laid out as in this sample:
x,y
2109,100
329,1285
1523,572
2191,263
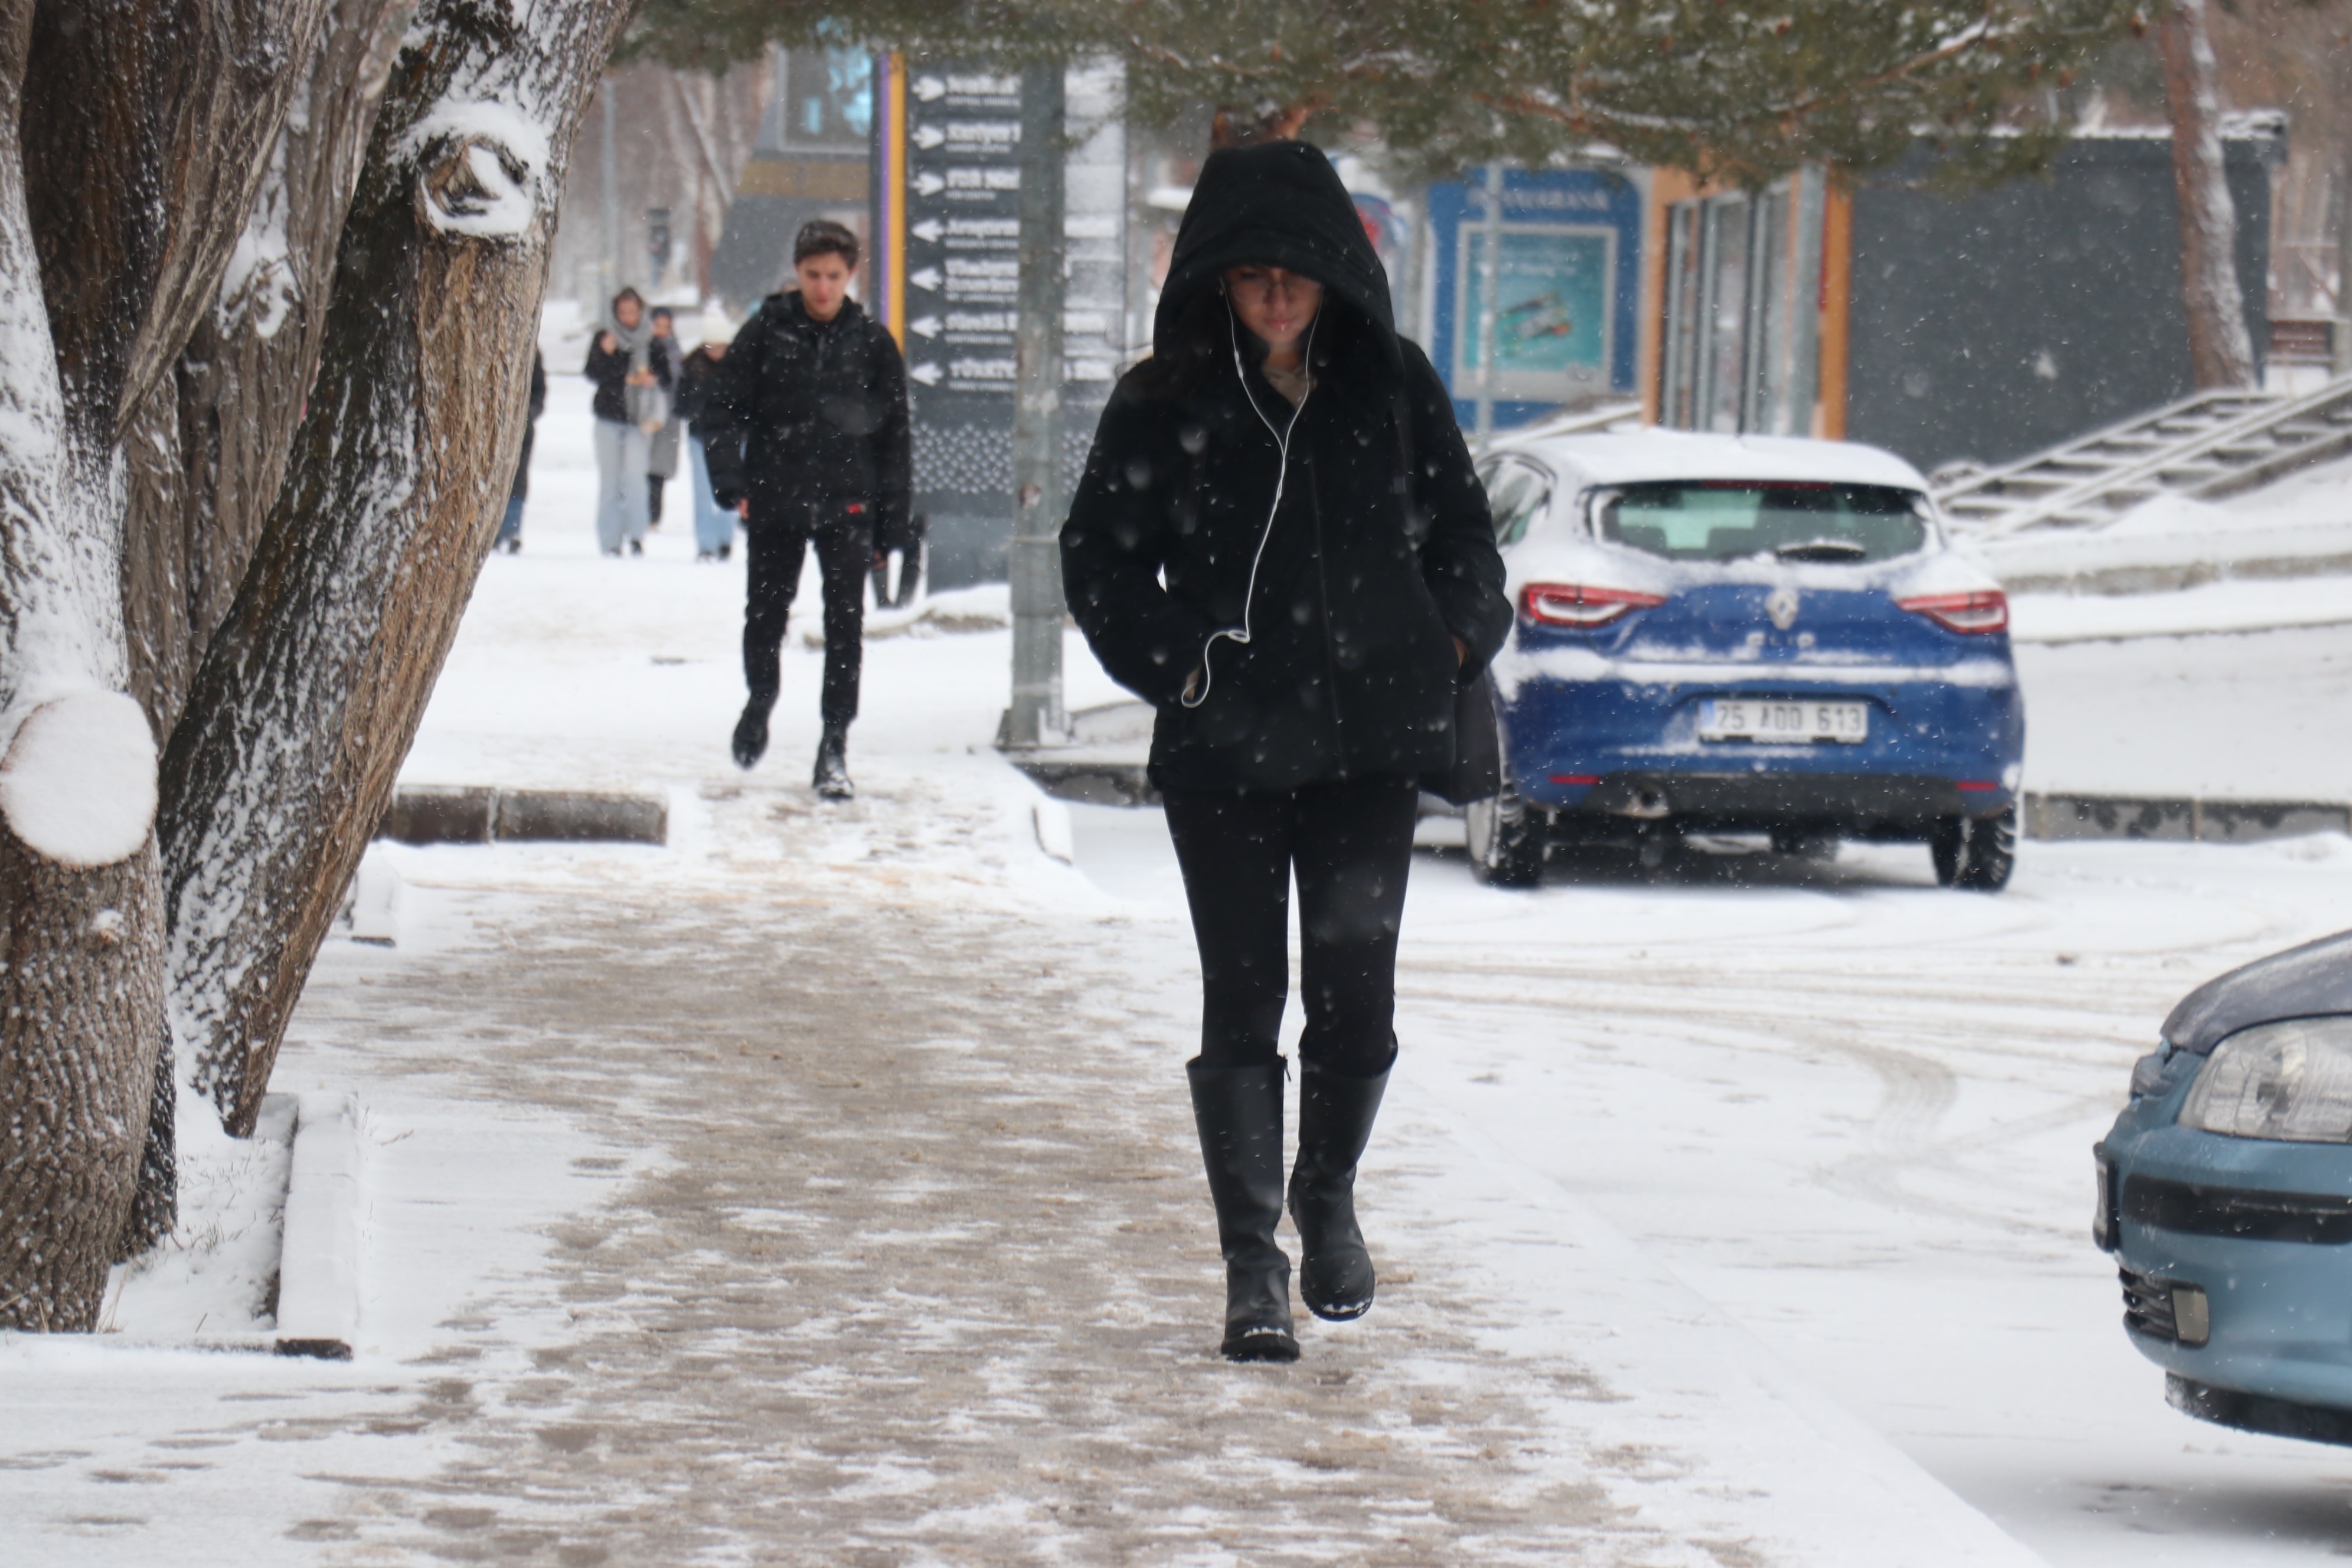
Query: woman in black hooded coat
x,y
1280,543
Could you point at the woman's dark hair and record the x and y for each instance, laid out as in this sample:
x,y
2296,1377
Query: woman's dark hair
x,y
822,236
627,294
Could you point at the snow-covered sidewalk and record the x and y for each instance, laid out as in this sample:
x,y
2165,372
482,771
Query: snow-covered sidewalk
x,y
820,1186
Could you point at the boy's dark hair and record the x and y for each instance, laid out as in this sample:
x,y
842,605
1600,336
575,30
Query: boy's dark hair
x,y
663,313
822,236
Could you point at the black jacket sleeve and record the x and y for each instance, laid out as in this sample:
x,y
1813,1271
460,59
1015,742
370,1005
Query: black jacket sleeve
x,y
1114,544
893,449
606,370
729,408
1458,558
538,385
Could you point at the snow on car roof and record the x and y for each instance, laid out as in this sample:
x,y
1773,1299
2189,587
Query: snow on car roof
x,y
1638,456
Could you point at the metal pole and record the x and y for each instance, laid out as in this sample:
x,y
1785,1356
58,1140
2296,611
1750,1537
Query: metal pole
x,y
2343,334
1490,282
608,264
1036,715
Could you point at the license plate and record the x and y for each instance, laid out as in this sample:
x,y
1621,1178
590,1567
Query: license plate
x,y
1745,719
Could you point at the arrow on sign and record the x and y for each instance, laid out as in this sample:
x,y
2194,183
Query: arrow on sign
x,y
929,278
928,184
924,326
929,88
928,231
930,136
928,374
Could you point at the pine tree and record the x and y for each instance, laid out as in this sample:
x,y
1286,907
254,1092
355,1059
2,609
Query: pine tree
x,y
1732,92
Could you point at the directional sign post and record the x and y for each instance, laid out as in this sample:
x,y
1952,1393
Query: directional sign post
x,y
964,277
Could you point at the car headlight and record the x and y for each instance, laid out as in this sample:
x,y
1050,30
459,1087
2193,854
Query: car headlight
x,y
2290,1080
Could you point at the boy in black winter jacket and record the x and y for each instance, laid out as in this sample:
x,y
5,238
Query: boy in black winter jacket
x,y
807,434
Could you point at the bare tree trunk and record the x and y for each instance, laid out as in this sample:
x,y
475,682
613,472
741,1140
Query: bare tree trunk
x,y
205,449
2220,354
79,926
310,691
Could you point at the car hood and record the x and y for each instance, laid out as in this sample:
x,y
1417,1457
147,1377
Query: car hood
x,y
2301,982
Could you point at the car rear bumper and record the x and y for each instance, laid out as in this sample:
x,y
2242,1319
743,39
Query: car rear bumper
x,y
1595,746
1858,804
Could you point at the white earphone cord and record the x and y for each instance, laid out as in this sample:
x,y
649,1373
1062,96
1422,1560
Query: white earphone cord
x,y
1240,633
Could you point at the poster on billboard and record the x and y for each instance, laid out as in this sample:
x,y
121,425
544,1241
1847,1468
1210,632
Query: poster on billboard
x,y
1565,290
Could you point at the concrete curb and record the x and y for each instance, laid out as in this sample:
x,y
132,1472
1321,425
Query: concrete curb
x,y
441,814
2056,819
318,1257
2178,819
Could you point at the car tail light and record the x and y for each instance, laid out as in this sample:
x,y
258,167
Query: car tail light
x,y
1582,605
1985,611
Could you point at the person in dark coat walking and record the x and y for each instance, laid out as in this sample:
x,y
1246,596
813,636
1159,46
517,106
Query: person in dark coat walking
x,y
1279,542
813,393
714,525
510,537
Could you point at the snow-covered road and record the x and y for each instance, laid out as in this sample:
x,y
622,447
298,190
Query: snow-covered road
x,y
1855,1113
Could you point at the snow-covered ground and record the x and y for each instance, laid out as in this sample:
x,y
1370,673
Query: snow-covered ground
x,y
1736,1218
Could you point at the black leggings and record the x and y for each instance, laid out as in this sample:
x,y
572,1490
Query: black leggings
x,y
1350,845
773,552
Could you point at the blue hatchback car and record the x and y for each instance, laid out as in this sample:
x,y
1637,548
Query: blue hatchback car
x,y
1742,633
2225,1195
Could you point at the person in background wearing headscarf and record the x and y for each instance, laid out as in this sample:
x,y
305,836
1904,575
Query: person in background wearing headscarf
x,y
633,382
1280,543
661,458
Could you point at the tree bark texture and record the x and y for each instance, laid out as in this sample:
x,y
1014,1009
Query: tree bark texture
x,y
75,1087
81,937
2221,352
204,448
146,130
310,691
207,446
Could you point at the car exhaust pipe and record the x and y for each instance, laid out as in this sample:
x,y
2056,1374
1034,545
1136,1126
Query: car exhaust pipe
x,y
1648,804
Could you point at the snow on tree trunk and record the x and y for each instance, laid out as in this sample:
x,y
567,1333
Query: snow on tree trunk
x,y
306,700
2220,354
133,143
80,999
208,446
205,449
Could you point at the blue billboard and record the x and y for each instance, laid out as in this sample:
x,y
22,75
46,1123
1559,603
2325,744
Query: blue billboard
x,y
1567,288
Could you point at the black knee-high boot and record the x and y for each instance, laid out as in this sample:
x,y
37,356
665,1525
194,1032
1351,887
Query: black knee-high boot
x,y
1239,1113
1335,1123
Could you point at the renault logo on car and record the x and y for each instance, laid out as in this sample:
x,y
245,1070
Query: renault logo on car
x,y
1782,607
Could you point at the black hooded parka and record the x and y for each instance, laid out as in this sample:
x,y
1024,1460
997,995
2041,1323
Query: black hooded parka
x,y
1380,554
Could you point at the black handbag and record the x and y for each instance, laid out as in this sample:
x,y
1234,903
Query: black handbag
x,y
1477,770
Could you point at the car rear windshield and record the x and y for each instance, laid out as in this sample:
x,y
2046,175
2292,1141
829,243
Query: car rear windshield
x,y
1717,519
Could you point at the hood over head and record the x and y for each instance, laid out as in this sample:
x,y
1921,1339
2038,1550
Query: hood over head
x,y
1276,203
